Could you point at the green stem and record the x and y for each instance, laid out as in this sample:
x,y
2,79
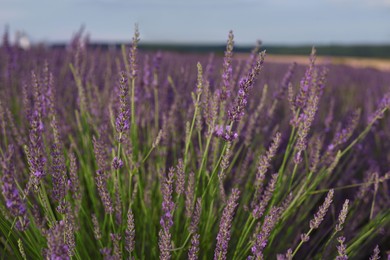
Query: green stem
x,y
301,242
8,236
191,129
247,228
292,177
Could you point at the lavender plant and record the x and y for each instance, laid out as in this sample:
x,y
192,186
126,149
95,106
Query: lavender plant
x,y
129,154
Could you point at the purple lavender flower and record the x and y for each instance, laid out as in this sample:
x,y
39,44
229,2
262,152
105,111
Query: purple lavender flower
x,y
315,153
117,163
73,182
306,119
194,249
218,130
224,92
58,173
117,253
101,183
343,135
122,121
130,232
319,216
193,228
180,177
259,210
13,201
35,152
166,220
383,105
342,216
118,203
306,82
96,229
262,237
226,134
57,248
106,252
133,54
100,152
375,254
263,165
285,81
341,249
237,111
225,225
190,194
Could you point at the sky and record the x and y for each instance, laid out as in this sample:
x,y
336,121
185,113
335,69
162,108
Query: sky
x,y
283,22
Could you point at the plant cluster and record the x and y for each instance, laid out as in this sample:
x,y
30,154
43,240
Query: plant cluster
x,y
125,154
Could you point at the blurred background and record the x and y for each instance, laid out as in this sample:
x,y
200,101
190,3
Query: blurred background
x,y
359,28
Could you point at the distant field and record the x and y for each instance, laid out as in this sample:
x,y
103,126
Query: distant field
x,y
380,64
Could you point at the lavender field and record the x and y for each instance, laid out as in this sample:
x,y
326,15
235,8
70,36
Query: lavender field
x,y
128,154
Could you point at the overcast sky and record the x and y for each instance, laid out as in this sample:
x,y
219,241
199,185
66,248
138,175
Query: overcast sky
x,y
203,21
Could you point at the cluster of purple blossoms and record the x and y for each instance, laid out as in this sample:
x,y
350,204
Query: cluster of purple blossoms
x,y
35,151
341,249
225,225
101,183
194,249
306,82
58,173
285,81
226,134
246,83
262,237
57,248
306,120
259,209
133,54
117,163
224,92
101,175
319,216
166,220
180,177
130,232
122,123
13,201
384,104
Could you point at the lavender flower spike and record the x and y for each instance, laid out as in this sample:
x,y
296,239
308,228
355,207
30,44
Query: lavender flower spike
x,y
180,177
306,82
14,203
101,183
341,249
122,121
194,249
166,220
57,248
262,238
223,236
58,172
342,216
237,111
224,93
375,254
307,119
130,232
319,216
35,152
